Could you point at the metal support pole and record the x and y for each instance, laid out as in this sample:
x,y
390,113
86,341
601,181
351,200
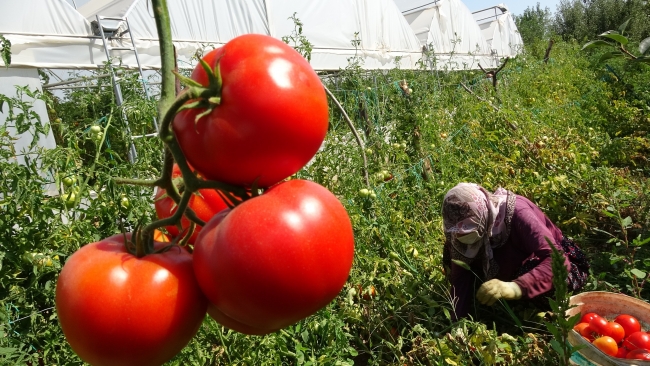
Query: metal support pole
x,y
132,155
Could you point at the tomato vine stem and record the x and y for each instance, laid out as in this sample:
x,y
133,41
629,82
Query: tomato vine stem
x,y
354,132
195,96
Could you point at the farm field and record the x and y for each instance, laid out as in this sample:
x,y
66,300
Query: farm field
x,y
570,133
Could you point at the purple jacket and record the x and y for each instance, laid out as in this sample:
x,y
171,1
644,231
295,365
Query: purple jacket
x,y
527,240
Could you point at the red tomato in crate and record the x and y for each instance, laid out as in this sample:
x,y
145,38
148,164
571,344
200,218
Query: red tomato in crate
x,y
639,354
587,317
622,352
205,203
629,323
607,345
272,119
276,258
587,333
599,325
117,309
615,331
637,340
580,326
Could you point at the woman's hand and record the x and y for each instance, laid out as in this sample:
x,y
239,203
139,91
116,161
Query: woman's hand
x,y
493,290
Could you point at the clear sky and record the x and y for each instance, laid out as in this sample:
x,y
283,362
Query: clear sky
x,y
515,6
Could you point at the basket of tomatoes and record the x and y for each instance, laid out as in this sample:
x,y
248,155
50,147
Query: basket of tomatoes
x,y
613,329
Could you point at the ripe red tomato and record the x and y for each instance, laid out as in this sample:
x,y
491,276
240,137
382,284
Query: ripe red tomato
x,y
272,119
629,323
231,323
622,352
587,317
276,258
159,236
607,345
580,326
637,340
205,203
615,331
588,333
117,309
599,325
639,354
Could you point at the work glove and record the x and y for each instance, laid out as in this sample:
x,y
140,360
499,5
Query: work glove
x,y
493,290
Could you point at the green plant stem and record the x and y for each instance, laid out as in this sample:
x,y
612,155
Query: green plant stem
x,y
136,182
627,53
354,132
163,26
173,219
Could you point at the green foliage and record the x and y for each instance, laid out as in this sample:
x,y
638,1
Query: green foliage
x,y
566,155
581,20
297,40
534,24
561,326
5,51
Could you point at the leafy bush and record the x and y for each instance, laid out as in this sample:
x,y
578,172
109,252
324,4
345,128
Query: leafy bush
x,y
582,20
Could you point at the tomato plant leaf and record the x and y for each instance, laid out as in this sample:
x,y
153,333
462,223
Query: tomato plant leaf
x,y
615,37
621,28
609,55
626,222
596,43
637,242
461,264
638,273
557,347
644,46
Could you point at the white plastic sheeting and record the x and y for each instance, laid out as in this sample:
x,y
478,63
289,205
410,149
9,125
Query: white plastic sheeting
x,y
500,31
29,78
448,28
46,33
330,25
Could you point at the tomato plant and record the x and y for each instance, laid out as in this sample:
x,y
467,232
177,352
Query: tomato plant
x,y
276,258
272,118
629,323
607,345
205,203
117,309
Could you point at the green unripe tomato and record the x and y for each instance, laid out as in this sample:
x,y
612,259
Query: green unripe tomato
x,y
364,192
70,199
373,195
124,202
98,137
95,129
368,151
69,181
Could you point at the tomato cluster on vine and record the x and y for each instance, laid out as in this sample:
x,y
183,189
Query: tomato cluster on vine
x,y
260,263
621,338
